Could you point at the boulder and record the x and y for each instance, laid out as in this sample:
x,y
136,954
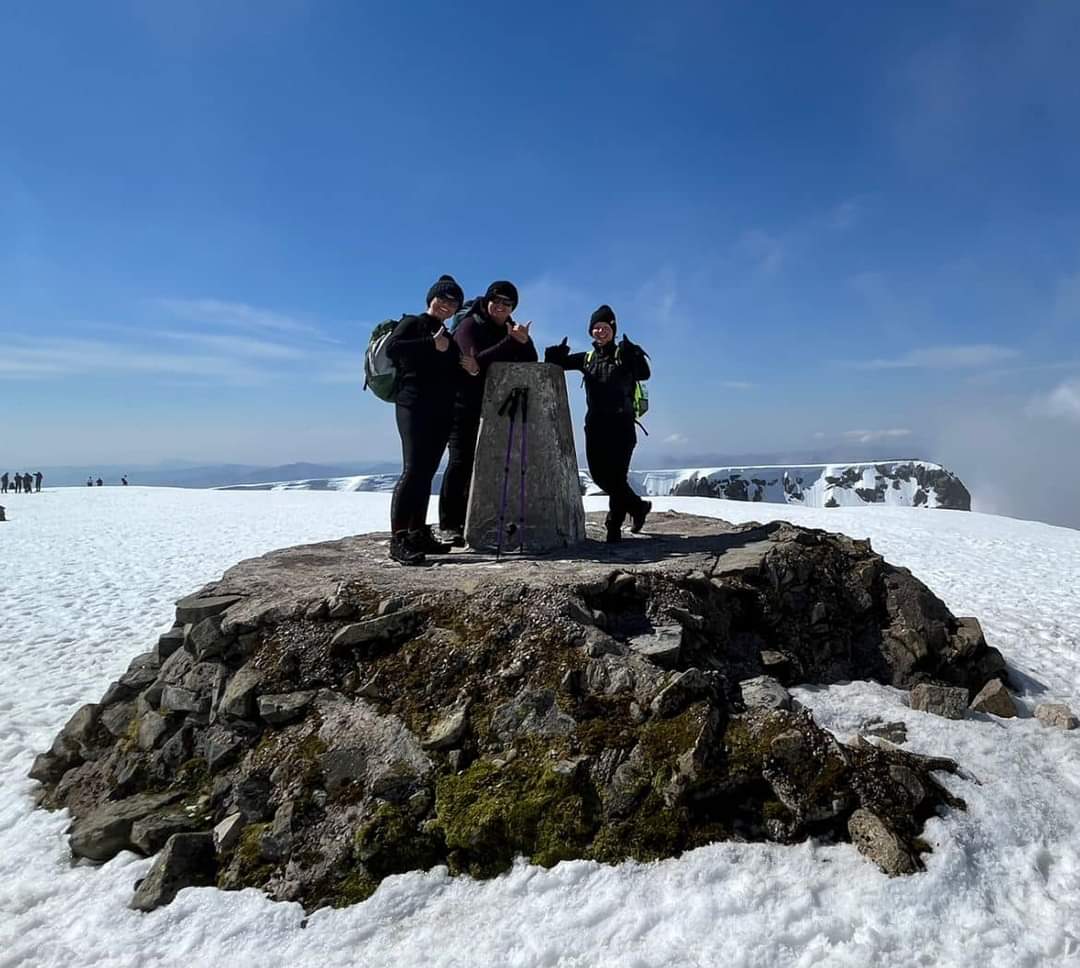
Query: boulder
x,y
188,860
994,698
948,701
106,831
238,699
448,731
1056,715
764,692
384,630
663,645
284,707
875,840
194,608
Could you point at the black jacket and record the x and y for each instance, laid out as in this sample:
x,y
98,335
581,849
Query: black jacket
x,y
489,342
424,374
611,373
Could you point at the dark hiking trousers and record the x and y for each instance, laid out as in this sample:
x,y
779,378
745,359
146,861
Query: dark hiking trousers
x,y
424,428
454,494
609,444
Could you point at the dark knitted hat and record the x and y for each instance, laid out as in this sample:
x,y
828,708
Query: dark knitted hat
x,y
447,287
502,288
605,314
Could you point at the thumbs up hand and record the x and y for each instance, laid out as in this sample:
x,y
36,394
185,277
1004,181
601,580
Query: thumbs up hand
x,y
557,354
520,331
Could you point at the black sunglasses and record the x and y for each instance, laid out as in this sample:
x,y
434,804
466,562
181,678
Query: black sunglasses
x,y
502,301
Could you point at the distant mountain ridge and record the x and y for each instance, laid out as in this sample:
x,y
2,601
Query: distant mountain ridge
x,y
897,483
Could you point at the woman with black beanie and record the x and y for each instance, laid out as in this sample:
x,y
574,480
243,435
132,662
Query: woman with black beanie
x,y
426,361
487,334
611,374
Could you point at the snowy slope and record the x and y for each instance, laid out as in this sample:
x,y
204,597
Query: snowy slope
x,y
894,483
99,570
905,483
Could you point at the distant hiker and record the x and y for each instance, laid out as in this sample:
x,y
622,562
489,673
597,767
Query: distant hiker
x,y
4,482
100,482
2,517
486,334
17,477
89,482
611,373
38,478
123,480
428,371
28,483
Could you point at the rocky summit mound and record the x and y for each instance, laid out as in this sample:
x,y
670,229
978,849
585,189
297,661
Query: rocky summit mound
x,y
319,718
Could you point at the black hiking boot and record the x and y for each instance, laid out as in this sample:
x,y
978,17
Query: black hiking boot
x,y
452,536
424,541
637,519
402,550
614,533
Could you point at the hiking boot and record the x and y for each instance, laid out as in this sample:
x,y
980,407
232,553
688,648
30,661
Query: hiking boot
x,y
637,519
424,541
452,536
402,551
614,533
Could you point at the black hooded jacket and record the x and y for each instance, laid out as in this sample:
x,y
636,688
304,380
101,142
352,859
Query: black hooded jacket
x,y
423,372
611,373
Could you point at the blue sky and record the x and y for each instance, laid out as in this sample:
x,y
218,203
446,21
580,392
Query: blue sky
x,y
832,226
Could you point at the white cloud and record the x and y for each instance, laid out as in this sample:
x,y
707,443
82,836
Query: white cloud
x,y
678,439
218,312
236,345
944,358
1061,402
873,436
71,357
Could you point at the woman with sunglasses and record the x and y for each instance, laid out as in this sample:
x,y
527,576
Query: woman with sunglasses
x,y
426,361
486,334
611,373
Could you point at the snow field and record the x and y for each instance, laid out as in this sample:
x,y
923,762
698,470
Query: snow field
x,y
91,580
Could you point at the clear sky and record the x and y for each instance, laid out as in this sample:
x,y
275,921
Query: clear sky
x,y
845,224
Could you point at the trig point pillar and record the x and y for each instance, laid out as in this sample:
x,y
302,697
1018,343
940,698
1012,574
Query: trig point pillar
x,y
525,413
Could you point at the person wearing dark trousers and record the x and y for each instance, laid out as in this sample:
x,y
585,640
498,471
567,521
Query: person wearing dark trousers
x,y
487,334
38,478
4,483
611,371
428,372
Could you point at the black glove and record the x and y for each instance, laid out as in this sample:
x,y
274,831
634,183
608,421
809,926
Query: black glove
x,y
557,354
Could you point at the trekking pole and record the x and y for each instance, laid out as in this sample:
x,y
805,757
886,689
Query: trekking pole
x,y
524,465
509,408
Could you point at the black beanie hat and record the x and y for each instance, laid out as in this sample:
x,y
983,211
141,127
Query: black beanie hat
x,y
502,288
605,314
447,287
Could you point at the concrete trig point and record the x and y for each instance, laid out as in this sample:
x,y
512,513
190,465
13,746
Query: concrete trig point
x,y
553,515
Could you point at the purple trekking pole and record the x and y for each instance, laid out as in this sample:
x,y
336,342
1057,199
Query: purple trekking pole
x,y
509,408
524,465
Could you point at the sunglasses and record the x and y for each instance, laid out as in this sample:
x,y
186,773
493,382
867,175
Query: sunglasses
x,y
502,301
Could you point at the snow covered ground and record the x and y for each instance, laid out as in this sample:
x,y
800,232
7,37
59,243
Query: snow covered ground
x,y
89,580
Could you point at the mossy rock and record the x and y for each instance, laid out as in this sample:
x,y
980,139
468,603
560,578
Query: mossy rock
x,y
489,814
392,842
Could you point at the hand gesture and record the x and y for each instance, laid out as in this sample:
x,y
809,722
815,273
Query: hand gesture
x,y
520,332
557,354
442,340
469,365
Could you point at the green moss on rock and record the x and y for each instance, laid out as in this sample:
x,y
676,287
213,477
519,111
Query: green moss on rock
x,y
490,814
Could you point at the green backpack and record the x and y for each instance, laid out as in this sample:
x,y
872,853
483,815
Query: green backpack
x,y
641,392
380,375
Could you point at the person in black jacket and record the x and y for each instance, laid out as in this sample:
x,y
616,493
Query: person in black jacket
x,y
611,373
487,334
427,363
